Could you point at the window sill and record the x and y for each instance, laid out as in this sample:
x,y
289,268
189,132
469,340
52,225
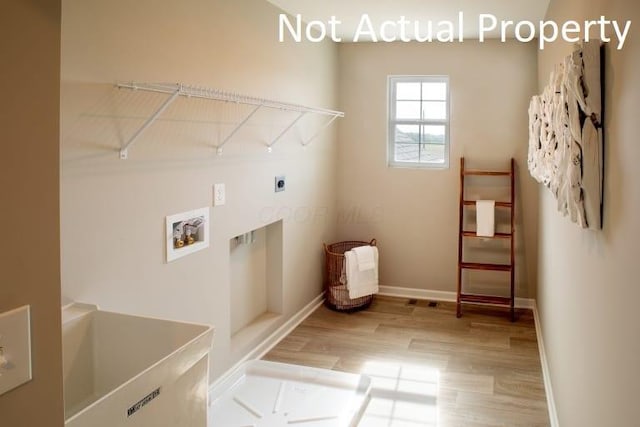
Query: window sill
x,y
410,165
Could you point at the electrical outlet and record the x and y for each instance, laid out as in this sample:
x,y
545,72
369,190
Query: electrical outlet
x,y
280,183
219,195
15,348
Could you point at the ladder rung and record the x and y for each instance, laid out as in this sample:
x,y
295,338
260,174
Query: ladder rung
x,y
495,236
485,299
498,204
485,266
487,173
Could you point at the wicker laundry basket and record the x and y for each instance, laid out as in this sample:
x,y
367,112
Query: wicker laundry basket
x,y
335,292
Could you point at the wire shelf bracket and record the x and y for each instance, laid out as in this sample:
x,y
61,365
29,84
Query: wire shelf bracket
x,y
178,89
315,135
236,129
124,151
292,124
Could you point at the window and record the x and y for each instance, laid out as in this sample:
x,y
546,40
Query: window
x,y
418,121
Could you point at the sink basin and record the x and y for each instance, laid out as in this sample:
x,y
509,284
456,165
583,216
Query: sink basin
x,y
124,370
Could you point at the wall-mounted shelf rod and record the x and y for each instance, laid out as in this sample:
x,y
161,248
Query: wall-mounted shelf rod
x,y
220,95
178,89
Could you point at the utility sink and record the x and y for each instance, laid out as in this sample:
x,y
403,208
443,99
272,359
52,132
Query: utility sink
x,y
124,370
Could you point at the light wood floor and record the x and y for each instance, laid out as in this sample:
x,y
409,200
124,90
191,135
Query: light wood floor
x,y
428,367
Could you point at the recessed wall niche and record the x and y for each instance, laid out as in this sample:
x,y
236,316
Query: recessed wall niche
x,y
256,285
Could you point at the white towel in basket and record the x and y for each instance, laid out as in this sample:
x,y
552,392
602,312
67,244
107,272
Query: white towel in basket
x,y
361,283
366,257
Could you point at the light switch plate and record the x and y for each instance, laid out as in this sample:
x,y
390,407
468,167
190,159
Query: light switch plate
x,y
15,340
219,195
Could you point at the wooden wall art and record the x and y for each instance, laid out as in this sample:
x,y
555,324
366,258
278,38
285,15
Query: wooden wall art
x,y
566,138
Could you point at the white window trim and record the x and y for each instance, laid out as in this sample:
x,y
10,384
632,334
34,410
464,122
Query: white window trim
x,y
391,122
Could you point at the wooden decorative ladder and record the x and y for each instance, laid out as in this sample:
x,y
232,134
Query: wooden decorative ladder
x,y
510,268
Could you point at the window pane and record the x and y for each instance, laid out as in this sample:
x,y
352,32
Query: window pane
x,y
407,153
408,91
433,134
434,91
409,134
432,153
408,110
434,110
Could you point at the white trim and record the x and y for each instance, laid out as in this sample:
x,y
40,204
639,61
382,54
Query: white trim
x,y
546,375
449,296
272,340
394,291
528,303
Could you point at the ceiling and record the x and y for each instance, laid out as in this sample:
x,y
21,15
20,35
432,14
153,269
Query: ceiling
x,y
349,12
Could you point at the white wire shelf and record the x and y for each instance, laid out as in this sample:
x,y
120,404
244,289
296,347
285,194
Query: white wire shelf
x,y
175,90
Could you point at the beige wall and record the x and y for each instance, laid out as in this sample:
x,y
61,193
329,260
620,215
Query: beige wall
x,y
113,211
414,213
30,255
588,286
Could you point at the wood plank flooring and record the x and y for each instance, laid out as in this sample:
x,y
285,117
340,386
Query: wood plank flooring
x,y
428,367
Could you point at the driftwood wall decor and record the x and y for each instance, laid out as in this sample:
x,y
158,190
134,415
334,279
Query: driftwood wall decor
x,y
565,136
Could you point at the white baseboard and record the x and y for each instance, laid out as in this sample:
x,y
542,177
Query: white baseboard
x,y
273,339
551,405
394,291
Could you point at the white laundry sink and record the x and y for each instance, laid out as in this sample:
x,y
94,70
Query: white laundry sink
x,y
123,370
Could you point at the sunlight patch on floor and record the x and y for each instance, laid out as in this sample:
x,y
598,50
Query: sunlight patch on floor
x,y
401,395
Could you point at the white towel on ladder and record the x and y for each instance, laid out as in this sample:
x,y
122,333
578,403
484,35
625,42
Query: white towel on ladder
x,y
361,283
485,218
